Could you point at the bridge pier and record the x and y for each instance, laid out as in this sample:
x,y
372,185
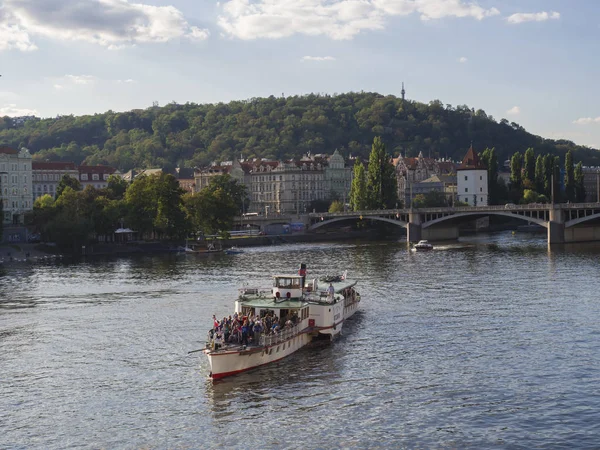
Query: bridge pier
x,y
413,228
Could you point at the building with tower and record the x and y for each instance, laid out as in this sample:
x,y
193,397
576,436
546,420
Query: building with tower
x,y
472,180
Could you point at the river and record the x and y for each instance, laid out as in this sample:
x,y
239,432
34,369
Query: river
x,y
493,341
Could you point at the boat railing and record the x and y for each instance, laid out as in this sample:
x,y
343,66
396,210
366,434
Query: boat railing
x,y
260,292
280,336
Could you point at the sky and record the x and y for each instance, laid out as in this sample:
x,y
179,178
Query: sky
x,y
533,62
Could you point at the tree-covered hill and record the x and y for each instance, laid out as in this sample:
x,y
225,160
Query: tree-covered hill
x,y
193,135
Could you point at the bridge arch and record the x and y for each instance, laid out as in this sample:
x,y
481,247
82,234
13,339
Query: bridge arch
x,y
399,223
573,222
535,220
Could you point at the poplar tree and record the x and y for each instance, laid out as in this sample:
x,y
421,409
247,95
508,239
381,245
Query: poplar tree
x,y
579,186
539,174
516,179
382,187
556,180
548,171
569,177
529,166
358,189
488,157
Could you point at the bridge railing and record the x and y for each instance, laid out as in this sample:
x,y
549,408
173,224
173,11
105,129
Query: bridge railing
x,y
456,209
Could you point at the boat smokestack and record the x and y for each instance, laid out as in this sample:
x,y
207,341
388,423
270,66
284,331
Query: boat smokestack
x,y
302,273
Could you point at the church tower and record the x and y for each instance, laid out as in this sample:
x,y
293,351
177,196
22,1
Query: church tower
x,y
403,91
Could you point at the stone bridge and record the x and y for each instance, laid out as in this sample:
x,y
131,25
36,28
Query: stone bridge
x,y
575,222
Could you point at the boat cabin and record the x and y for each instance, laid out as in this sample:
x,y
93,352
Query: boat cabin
x,y
287,286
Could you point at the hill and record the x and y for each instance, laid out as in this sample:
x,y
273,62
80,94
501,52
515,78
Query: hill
x,y
189,135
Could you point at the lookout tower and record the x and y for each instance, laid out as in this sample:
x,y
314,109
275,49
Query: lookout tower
x,y
472,180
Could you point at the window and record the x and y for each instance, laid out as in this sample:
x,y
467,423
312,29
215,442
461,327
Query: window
x,y
95,176
105,177
466,178
480,189
481,199
466,189
481,177
84,177
44,177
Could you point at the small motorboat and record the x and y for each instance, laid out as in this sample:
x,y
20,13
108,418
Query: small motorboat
x,y
233,251
423,246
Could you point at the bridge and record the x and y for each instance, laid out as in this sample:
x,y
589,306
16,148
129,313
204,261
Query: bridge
x,y
575,222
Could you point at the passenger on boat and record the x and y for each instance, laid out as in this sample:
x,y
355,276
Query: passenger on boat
x,y
330,292
245,330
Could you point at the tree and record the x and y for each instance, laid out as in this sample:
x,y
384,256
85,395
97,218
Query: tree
x,y
579,185
529,166
548,173
431,199
231,188
516,181
569,177
556,180
382,190
530,196
488,156
539,174
358,190
336,206
116,187
67,181
170,217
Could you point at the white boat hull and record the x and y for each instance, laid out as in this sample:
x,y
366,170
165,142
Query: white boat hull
x,y
224,363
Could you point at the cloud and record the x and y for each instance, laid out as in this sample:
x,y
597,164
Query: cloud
x,y
14,37
318,58
532,17
336,19
11,110
128,80
81,79
586,120
462,59
110,23
58,87
514,111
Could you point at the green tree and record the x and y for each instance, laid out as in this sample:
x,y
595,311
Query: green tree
x,y
336,206
67,181
529,168
170,218
579,185
539,174
548,174
556,180
569,177
382,189
488,157
116,187
530,196
516,181
236,191
430,199
358,189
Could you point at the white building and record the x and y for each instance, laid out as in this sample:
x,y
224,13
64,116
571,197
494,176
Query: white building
x,y
472,180
46,176
15,184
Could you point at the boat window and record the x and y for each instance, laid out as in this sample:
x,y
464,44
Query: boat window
x,y
288,283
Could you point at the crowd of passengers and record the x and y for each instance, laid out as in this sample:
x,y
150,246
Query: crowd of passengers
x,y
247,330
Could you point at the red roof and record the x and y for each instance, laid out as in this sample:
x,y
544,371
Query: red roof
x,y
8,150
53,165
471,161
96,169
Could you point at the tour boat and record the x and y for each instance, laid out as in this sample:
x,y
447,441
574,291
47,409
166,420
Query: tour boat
x,y
304,312
423,246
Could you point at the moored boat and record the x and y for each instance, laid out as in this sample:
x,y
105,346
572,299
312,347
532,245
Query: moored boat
x,y
270,324
423,245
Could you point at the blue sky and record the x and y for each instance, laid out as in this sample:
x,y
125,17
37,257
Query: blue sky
x,y
534,62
